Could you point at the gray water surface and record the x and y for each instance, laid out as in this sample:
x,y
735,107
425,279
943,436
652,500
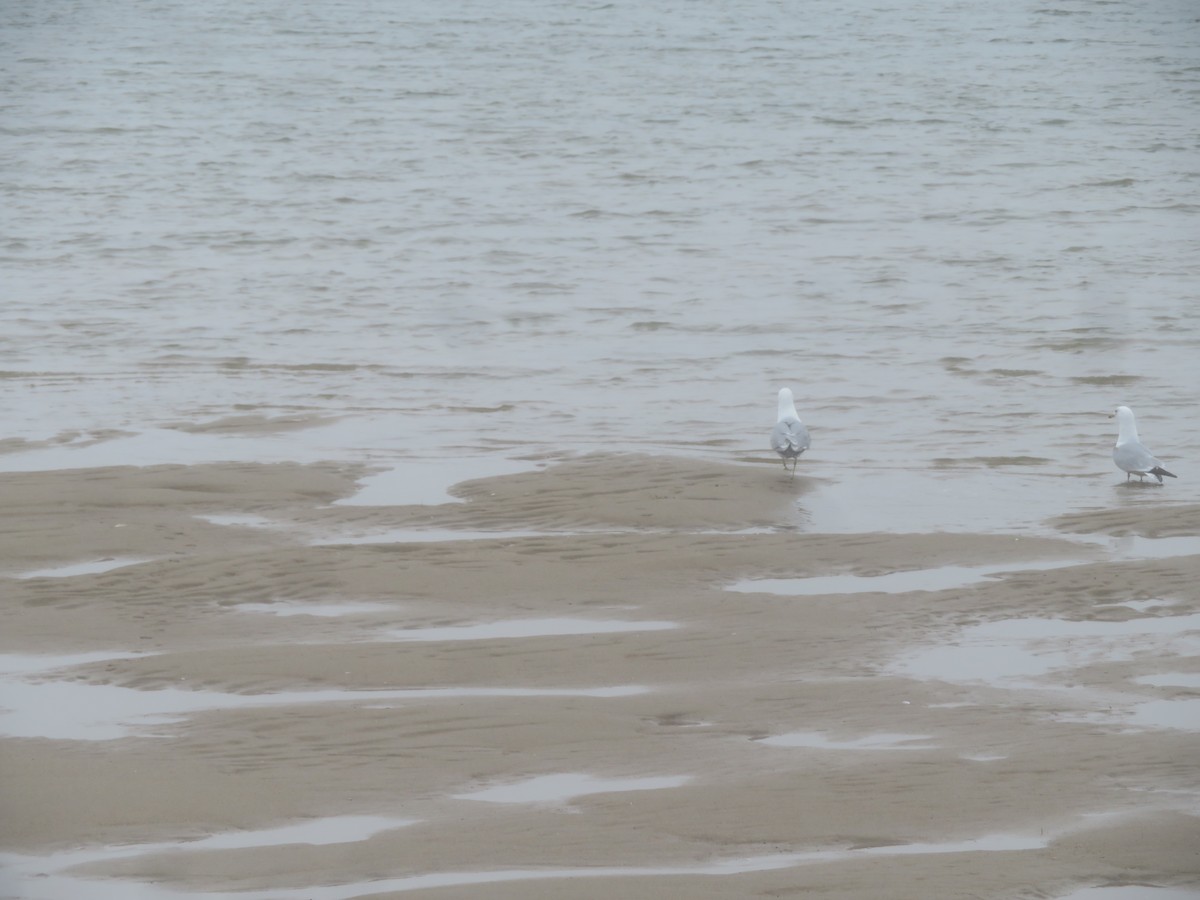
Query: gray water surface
x,y
445,241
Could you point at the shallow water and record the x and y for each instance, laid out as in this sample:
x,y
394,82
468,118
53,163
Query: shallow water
x,y
320,610
45,885
426,481
425,536
1016,652
1175,679
88,567
560,788
39,663
75,710
321,831
816,740
1181,715
939,579
959,235
1133,546
240,520
1133,892
519,628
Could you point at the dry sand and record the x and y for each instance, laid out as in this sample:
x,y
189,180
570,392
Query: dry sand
x,y
1061,771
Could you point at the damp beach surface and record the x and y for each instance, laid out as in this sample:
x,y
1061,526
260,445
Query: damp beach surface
x,y
562,693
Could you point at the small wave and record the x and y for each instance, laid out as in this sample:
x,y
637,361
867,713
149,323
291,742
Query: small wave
x,y
652,325
541,286
954,362
1079,345
477,410
1114,182
1116,380
991,462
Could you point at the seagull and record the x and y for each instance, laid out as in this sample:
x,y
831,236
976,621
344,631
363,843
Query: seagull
x,y
1130,454
789,438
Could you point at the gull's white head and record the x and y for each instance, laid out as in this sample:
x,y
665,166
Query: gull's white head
x,y
1126,426
787,406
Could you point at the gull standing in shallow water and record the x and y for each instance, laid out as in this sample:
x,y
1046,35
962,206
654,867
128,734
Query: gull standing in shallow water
x,y
789,438
1130,455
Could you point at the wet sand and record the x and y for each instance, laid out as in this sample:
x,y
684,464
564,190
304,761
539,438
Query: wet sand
x,y
569,682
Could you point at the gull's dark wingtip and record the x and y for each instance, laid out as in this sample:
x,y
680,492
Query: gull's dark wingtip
x,y
1160,472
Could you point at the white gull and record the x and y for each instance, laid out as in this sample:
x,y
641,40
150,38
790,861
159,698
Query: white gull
x,y
1130,454
789,437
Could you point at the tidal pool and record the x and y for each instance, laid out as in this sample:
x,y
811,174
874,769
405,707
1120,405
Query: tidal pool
x,y
941,578
1133,892
240,520
46,881
1171,679
560,788
88,567
427,482
75,710
1012,651
817,740
321,610
521,628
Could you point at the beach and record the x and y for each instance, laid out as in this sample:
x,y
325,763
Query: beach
x,y
573,675
388,504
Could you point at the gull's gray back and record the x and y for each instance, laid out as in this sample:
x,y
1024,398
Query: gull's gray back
x,y
1132,456
789,438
